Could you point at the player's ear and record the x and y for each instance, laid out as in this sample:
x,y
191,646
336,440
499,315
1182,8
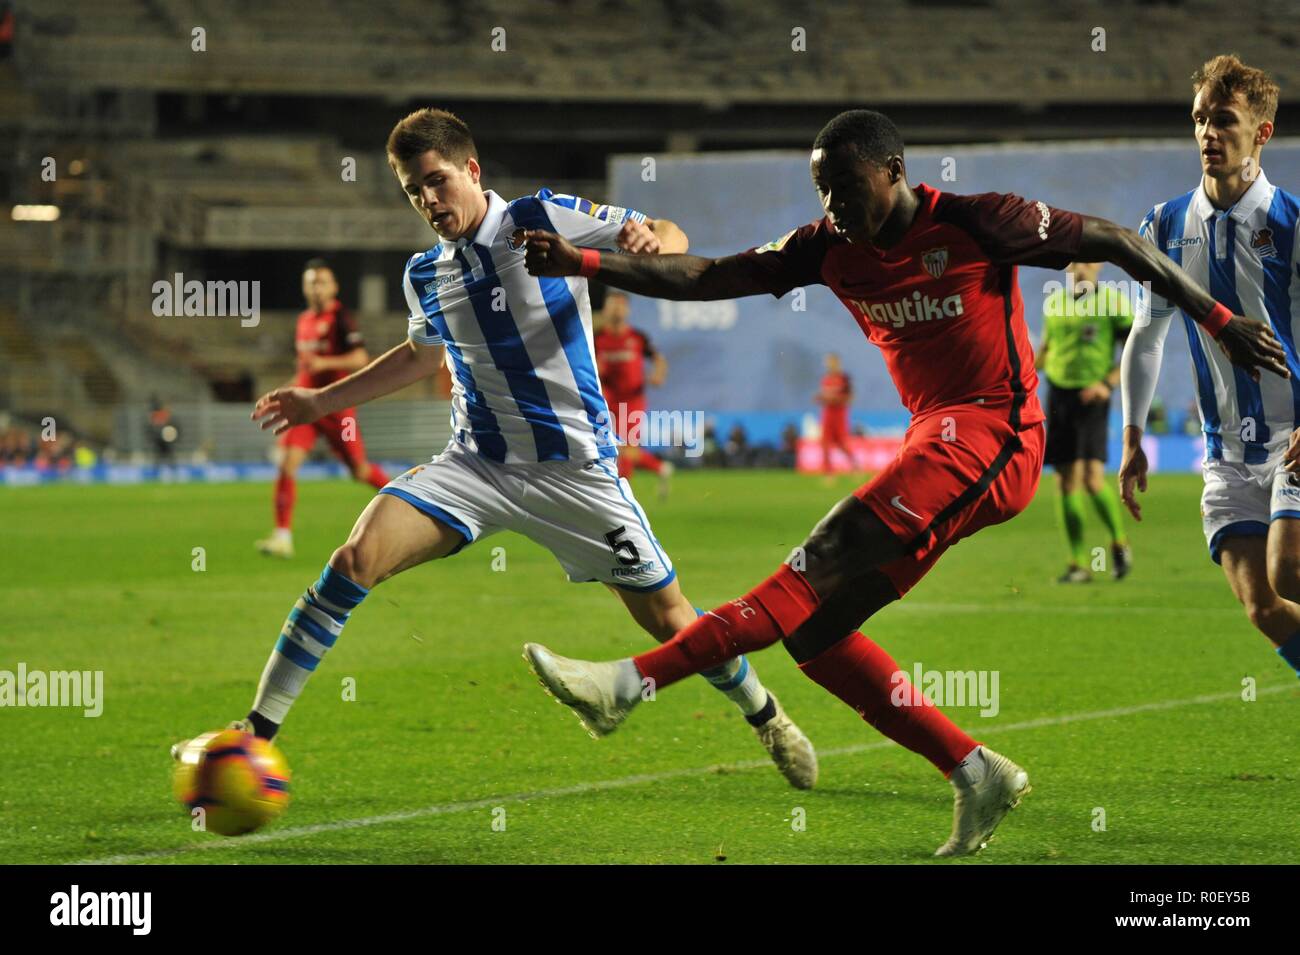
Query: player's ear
x,y
1264,133
475,170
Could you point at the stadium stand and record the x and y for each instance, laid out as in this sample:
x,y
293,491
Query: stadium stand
x,y
172,160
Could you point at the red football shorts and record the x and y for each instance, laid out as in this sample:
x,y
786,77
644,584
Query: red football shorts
x,y
960,469
835,425
622,409
334,428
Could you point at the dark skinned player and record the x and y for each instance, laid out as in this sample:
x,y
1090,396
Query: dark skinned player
x,y
930,278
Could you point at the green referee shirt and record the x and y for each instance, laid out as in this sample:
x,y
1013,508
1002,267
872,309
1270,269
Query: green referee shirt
x,y
1080,335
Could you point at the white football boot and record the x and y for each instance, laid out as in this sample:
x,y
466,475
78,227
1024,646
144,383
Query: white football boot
x,y
589,689
244,726
789,748
987,786
277,545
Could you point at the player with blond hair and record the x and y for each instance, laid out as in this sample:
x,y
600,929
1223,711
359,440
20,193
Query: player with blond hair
x,y
1235,236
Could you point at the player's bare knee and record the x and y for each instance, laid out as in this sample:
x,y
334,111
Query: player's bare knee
x,y
1260,610
1284,576
353,561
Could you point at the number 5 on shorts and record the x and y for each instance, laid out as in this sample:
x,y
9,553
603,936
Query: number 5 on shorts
x,y
624,550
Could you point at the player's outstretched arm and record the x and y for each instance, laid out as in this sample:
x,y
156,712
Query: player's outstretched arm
x,y
1247,342
677,277
402,365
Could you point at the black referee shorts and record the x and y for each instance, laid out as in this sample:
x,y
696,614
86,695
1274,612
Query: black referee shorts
x,y
1075,431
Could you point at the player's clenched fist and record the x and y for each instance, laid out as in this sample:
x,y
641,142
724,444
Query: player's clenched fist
x,y
550,254
286,408
637,238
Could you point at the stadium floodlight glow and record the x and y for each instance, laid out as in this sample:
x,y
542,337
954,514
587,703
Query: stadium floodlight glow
x,y
35,213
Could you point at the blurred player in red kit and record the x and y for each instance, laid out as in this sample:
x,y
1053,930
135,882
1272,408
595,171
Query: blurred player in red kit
x,y
621,354
329,348
835,396
930,278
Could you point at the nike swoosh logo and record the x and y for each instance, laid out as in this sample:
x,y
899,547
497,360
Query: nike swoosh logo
x,y
896,500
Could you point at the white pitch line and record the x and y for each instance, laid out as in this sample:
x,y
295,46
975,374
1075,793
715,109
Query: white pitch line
x,y
1013,607
623,782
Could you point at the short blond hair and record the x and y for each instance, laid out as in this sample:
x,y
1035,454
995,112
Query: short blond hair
x,y
1226,75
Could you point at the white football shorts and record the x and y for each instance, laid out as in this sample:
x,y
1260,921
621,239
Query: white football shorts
x,y
581,511
1243,499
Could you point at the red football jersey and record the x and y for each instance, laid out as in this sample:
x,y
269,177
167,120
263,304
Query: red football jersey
x,y
836,390
620,361
328,333
943,304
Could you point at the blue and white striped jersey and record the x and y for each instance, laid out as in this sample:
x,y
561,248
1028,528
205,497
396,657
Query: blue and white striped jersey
x,y
519,347
1247,258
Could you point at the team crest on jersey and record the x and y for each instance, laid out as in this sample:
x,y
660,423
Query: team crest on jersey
x,y
935,261
322,328
776,245
1261,240
515,241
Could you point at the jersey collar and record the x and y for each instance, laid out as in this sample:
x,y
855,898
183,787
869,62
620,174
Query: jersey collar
x,y
928,195
1242,209
487,229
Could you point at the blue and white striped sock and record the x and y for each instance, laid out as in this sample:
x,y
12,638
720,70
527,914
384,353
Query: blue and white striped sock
x,y
738,681
1290,652
312,627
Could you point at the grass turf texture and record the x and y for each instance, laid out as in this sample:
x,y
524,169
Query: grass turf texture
x,y
448,716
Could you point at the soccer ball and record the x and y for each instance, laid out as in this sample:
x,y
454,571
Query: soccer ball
x,y
238,780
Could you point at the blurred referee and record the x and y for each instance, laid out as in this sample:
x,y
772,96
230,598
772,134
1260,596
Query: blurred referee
x,y
1082,325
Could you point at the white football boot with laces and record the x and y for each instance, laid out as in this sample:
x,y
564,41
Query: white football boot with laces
x,y
591,690
987,786
789,748
602,694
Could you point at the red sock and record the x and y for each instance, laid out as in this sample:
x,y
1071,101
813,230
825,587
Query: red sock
x,y
864,676
774,609
648,461
376,478
286,493
625,466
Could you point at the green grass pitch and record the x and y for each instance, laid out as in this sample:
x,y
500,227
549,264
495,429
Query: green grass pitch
x,y
1122,699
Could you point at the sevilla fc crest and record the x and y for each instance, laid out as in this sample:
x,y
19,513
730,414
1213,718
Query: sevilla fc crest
x,y
935,261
